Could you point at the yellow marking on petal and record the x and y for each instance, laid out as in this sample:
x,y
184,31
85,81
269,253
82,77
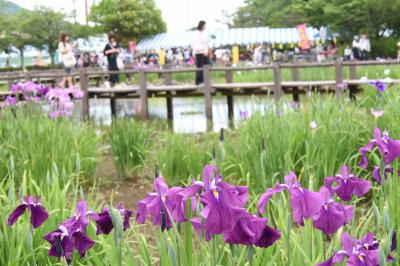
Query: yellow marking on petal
x,y
326,206
76,218
216,193
361,258
163,198
366,246
62,237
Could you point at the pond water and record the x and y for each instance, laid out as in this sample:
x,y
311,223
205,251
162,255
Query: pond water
x,y
188,113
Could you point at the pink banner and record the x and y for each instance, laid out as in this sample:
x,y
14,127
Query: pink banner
x,y
304,42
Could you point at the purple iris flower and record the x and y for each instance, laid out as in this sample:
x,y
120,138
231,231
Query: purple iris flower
x,y
71,233
58,94
347,185
252,230
62,243
223,203
358,253
29,90
42,90
304,203
104,222
389,148
161,205
61,103
10,101
244,114
16,88
342,86
332,215
78,221
376,173
38,213
279,112
379,85
76,93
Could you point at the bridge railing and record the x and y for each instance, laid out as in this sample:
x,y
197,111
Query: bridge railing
x,y
84,76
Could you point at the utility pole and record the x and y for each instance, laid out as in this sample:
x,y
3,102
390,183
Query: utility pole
x,y
74,10
87,12
188,26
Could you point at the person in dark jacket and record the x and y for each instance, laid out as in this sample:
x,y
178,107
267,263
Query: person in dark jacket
x,y
112,51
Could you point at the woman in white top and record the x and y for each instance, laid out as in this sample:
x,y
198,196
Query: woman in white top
x,y
67,58
200,49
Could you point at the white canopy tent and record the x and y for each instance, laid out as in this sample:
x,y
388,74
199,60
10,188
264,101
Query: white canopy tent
x,y
229,37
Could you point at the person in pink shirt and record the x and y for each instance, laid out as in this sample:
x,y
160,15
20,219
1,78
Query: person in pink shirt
x,y
201,50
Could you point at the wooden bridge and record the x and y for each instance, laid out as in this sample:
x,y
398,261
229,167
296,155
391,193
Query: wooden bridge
x,y
91,79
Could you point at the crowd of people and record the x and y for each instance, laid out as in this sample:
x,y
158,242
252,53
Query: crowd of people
x,y
360,48
199,54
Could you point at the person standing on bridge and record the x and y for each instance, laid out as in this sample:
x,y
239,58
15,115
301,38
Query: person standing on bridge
x,y
67,58
112,50
200,49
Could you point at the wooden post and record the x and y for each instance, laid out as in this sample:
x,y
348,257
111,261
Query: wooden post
x,y
338,77
84,80
277,83
229,98
207,95
295,92
353,72
144,106
10,83
113,106
352,76
170,109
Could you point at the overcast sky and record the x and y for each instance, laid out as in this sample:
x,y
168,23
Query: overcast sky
x,y
179,14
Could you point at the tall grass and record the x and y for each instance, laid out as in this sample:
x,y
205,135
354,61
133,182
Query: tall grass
x,y
22,245
181,157
33,143
130,143
291,144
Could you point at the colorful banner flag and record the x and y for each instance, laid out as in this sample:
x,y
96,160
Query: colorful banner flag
x,y
304,42
235,55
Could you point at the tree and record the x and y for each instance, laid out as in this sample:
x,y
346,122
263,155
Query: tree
x,y
130,19
5,40
273,13
348,17
352,17
18,28
46,26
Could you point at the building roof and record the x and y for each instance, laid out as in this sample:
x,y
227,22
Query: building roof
x,y
227,37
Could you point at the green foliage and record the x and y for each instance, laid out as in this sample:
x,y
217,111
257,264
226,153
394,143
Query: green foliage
x,y
130,143
30,143
291,145
40,28
130,19
181,157
45,28
33,143
376,18
273,13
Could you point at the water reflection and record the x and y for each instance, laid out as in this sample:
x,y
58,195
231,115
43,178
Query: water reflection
x,y
188,113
